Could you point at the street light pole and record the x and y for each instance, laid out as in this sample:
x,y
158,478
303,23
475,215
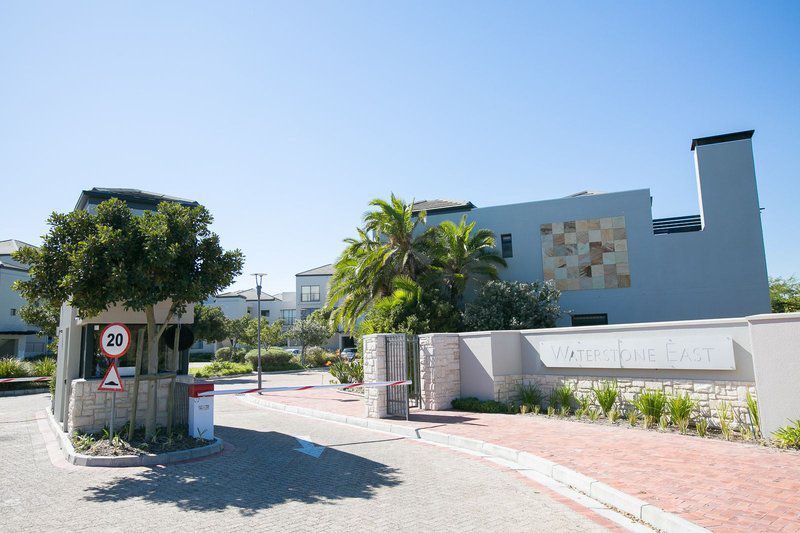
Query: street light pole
x,y
259,277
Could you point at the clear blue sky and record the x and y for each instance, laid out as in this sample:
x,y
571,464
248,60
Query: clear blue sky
x,y
286,118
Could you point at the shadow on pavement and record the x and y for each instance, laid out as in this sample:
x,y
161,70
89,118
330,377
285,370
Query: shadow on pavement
x,y
263,471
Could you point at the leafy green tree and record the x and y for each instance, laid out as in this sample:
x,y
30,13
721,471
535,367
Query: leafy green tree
x,y
271,334
411,309
513,305
93,261
238,330
313,330
209,323
784,294
389,245
460,253
44,315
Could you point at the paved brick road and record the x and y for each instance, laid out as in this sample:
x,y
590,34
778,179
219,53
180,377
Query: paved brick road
x,y
363,481
719,485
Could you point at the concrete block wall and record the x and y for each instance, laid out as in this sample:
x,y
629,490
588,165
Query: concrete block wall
x,y
707,394
90,410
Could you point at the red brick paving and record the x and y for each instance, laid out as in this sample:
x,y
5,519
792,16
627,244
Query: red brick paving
x,y
719,485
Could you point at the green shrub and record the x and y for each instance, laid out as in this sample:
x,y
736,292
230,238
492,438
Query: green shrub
x,y
680,411
347,371
224,354
702,427
221,368
11,367
562,397
725,416
273,360
651,404
475,405
530,395
788,436
606,397
44,367
316,357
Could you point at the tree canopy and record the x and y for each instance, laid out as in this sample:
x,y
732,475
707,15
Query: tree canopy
x,y
313,330
513,305
784,294
93,261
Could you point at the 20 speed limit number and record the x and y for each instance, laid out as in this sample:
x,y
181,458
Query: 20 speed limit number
x,y
115,340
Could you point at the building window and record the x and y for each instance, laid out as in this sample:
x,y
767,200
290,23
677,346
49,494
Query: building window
x,y
309,293
287,315
13,312
265,313
595,319
505,243
305,312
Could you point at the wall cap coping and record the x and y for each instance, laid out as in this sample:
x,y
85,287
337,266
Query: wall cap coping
x,y
775,317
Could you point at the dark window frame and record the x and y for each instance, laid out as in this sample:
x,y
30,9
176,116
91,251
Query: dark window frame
x,y
506,246
590,319
311,296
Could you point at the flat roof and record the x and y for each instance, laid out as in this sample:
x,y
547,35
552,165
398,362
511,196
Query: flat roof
x,y
725,137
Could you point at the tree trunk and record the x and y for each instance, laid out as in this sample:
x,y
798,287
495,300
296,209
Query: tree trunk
x,y
153,335
152,369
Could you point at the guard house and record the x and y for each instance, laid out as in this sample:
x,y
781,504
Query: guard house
x,y
81,365
615,264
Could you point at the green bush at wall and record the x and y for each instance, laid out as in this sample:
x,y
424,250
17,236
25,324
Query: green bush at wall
x,y
221,368
475,405
11,367
273,360
317,357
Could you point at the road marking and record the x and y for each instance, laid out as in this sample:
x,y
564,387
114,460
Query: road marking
x,y
309,448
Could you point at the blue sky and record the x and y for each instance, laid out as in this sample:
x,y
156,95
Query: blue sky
x,y
285,119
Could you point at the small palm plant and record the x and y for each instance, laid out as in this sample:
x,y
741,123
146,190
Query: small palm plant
x,y
725,419
563,397
651,404
755,419
530,396
788,436
606,397
680,411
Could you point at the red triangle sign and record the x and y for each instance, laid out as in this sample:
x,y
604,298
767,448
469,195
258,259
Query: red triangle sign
x,y
111,381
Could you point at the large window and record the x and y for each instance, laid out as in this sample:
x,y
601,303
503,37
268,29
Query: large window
x,y
505,243
305,312
287,315
309,293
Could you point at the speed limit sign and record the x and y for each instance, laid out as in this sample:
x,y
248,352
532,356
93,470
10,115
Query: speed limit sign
x,y
115,340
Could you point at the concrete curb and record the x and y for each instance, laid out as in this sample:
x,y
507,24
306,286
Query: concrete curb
x,y
80,459
603,493
24,392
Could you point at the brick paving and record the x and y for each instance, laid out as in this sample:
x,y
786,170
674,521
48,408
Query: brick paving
x,y
364,481
719,485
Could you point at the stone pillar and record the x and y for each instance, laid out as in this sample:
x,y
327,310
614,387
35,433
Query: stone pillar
x,y
375,370
440,371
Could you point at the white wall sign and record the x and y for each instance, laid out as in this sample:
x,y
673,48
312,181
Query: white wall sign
x,y
679,352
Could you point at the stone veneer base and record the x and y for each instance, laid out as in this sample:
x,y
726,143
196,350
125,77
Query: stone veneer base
x,y
81,459
599,491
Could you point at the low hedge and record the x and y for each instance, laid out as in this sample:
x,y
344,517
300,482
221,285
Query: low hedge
x,y
316,357
475,405
224,354
273,360
221,368
11,367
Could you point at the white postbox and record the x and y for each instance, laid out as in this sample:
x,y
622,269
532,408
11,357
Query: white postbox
x,y
201,411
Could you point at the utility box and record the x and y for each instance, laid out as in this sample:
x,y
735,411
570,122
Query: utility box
x,y
201,411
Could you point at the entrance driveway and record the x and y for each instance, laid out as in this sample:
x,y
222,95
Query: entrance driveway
x,y
361,481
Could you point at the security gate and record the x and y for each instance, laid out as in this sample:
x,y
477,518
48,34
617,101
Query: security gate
x,y
402,363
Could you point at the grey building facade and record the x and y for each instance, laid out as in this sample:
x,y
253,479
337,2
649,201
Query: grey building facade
x,y
615,264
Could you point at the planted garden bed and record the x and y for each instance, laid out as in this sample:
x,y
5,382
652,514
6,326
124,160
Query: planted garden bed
x,y
97,444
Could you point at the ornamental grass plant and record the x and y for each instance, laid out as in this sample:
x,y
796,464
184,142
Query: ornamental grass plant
x,y
606,397
651,404
680,411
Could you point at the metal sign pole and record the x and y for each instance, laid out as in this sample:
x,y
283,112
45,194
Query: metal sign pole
x,y
113,412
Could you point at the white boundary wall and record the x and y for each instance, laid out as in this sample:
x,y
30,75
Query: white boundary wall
x,y
493,364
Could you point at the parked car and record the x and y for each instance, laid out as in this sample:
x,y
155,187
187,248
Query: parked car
x,y
349,353
294,351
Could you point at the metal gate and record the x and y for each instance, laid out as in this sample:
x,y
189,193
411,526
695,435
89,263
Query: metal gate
x,y
402,363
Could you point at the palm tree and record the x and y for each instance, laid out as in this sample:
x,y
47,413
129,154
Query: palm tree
x,y
459,254
389,245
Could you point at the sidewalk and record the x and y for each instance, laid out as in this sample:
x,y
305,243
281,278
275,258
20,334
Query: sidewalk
x,y
718,485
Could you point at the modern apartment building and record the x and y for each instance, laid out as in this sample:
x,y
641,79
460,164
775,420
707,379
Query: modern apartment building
x,y
615,264
17,339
